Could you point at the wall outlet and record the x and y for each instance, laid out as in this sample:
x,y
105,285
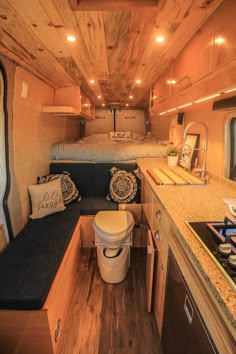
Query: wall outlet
x,y
24,90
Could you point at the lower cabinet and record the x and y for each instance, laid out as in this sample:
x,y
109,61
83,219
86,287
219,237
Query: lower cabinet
x,y
184,331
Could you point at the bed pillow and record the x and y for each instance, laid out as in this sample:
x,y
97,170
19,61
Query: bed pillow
x,y
96,138
138,136
120,136
68,187
123,186
46,199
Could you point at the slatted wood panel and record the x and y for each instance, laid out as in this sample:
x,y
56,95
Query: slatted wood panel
x,y
115,41
106,318
174,176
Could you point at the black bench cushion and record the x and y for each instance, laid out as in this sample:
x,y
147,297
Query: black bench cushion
x,y
91,205
91,179
29,264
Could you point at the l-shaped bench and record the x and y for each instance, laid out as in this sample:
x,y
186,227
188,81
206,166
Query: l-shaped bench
x,y
38,269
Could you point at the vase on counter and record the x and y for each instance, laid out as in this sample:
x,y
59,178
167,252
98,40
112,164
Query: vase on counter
x,y
172,160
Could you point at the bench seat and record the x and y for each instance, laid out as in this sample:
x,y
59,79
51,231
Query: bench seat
x,y
29,264
92,181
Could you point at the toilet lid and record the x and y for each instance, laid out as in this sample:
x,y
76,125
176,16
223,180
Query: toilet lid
x,y
114,222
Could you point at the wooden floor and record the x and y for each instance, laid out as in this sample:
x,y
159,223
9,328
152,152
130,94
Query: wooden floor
x,y
109,318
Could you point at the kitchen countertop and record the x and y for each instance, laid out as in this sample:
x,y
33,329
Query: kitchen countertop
x,y
198,203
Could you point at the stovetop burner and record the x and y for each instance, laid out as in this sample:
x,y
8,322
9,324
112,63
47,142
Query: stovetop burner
x,y
219,240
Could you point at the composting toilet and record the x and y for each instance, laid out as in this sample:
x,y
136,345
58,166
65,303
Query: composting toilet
x,y
113,239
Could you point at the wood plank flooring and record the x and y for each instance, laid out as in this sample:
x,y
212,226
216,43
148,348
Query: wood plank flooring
x,y
110,318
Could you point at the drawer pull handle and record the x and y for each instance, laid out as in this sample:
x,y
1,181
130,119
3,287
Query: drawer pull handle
x,y
157,235
57,330
188,309
159,215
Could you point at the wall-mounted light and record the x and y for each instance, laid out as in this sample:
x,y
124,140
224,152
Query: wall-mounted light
x,y
138,81
99,97
231,90
185,105
91,81
171,110
206,98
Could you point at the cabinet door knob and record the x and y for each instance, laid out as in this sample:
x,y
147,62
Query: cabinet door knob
x,y
162,267
157,235
158,215
57,330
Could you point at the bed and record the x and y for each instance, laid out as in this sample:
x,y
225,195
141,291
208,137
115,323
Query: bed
x,y
113,146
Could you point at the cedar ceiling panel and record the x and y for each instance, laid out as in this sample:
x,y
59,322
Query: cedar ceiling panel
x,y
91,27
34,16
116,25
23,44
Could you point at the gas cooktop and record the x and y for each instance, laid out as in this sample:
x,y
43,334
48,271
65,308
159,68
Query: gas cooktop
x,y
219,240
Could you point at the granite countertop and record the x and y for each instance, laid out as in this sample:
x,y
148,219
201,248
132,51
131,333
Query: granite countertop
x,y
198,203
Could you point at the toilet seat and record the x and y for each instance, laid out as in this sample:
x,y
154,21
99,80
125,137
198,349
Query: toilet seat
x,y
112,228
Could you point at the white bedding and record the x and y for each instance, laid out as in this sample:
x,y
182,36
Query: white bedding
x,y
100,148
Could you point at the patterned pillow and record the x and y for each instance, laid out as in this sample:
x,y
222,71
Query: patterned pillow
x,y
69,190
46,199
124,185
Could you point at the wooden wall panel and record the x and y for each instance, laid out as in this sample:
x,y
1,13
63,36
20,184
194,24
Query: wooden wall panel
x,y
33,134
128,120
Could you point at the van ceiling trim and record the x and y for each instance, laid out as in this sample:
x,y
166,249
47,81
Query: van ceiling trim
x,y
225,103
77,5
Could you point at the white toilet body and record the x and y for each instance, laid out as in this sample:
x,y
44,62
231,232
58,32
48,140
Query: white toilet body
x,y
113,238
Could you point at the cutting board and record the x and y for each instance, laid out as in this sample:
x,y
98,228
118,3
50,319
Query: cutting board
x,y
174,176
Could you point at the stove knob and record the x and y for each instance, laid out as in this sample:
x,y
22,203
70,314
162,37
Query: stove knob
x,y
232,261
225,249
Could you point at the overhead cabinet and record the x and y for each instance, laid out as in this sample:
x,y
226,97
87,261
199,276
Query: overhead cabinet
x,y
207,64
71,101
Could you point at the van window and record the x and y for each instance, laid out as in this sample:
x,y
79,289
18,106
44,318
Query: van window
x,y
232,172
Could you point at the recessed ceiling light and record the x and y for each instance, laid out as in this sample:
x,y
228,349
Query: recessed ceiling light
x,y
71,38
160,39
138,81
91,81
127,105
99,96
131,97
219,40
171,82
103,104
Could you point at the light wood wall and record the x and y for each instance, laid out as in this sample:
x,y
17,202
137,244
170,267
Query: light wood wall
x,y
31,134
160,126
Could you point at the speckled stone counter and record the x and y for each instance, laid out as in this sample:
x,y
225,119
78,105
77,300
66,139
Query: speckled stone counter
x,y
198,203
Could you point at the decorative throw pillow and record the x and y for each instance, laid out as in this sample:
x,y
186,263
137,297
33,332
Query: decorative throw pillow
x,y
124,185
46,199
69,190
124,137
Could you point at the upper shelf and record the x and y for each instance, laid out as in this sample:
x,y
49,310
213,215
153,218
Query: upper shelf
x,y
71,101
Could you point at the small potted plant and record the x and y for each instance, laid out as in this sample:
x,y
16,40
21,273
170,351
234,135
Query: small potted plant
x,y
172,156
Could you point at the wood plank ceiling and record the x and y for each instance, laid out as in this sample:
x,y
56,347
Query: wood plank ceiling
x,y
115,42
